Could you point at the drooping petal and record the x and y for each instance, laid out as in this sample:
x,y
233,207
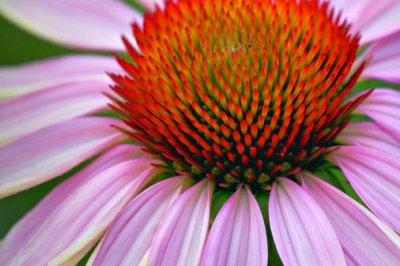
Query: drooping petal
x,y
383,107
352,10
129,238
180,237
301,231
52,151
68,221
25,228
82,24
362,236
384,23
238,235
385,62
373,19
37,110
375,176
369,134
25,78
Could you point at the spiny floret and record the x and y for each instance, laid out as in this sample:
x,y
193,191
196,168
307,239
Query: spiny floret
x,y
238,91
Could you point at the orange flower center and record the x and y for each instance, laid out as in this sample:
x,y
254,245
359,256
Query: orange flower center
x,y
238,91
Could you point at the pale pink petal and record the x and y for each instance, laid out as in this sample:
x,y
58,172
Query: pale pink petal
x,y
25,78
26,227
36,110
369,134
130,236
385,62
302,233
71,219
85,24
238,235
182,232
375,176
352,11
383,24
361,236
373,19
383,107
152,4
52,151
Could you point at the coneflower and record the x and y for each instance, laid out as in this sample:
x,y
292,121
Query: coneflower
x,y
241,114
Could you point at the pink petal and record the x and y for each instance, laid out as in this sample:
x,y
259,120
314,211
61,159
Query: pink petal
x,y
68,221
373,19
370,135
238,235
375,176
25,78
26,227
52,151
34,111
385,63
383,24
302,233
129,238
360,233
180,237
352,11
152,4
82,24
383,107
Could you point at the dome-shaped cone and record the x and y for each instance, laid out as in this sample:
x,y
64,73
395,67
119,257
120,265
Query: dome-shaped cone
x,y
239,97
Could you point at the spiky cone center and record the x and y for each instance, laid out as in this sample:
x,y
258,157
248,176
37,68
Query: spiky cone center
x,y
238,91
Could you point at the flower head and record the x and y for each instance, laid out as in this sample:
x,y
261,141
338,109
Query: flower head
x,y
239,93
242,114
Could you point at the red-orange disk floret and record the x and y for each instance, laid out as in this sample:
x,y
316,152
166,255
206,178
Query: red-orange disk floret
x,y
238,91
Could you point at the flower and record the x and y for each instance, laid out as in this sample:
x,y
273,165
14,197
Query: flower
x,y
241,114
